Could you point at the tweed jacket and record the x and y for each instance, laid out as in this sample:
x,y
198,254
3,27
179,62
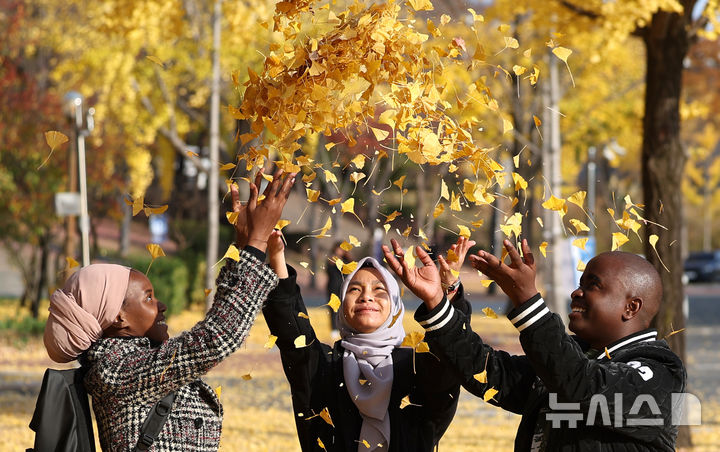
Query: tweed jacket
x,y
126,376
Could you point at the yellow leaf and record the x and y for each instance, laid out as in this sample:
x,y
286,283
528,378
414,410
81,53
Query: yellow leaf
x,y
365,443
486,282
412,339
455,203
422,347
232,253
218,391
444,193
537,121
618,240
312,195
300,341
489,394
520,182
410,257
348,206
540,222
246,377
476,17
227,166
464,231
511,42
420,5
349,268
71,263
357,177
270,342
328,225
137,205
406,232
321,444
54,138
359,161
478,223
562,53
334,302
267,177
580,266
400,182
481,377
155,60
489,313
207,292
392,216
302,315
192,154
281,224
579,225
577,198
607,353
507,126
346,246
394,319
386,227
232,217
439,209
380,134
543,248
580,243
325,415
155,250
329,176
405,402
159,210
354,241
452,256
554,203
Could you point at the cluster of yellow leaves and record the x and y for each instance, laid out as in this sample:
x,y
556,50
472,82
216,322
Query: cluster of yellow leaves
x,y
365,68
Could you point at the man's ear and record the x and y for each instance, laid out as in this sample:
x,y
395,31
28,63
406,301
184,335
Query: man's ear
x,y
632,308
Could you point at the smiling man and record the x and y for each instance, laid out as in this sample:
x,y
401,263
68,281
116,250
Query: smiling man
x,y
611,387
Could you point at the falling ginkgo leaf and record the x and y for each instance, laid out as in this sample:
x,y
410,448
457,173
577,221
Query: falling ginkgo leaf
x,y
302,315
270,342
300,341
607,353
618,240
334,302
71,263
246,377
405,402
543,248
490,394
653,239
155,252
489,313
54,139
232,253
563,53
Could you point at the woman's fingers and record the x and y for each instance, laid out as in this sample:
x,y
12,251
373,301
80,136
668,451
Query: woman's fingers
x,y
252,200
423,256
392,262
287,185
443,264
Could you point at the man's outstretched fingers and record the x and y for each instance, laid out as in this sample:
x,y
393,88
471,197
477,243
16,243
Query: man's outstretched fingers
x,y
527,253
287,185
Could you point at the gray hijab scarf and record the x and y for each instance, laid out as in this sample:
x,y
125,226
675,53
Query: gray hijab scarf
x,y
368,356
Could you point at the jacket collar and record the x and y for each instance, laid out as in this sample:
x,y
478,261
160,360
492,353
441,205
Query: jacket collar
x,y
631,340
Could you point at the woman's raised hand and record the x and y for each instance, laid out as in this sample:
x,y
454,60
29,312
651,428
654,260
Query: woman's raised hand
x,y
423,281
256,222
450,267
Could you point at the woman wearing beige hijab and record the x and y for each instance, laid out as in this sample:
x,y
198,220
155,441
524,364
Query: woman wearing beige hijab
x,y
108,318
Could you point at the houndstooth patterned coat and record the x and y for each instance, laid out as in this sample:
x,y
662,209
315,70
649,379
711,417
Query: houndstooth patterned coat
x,y
127,376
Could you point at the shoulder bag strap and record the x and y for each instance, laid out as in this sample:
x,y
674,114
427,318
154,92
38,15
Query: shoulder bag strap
x,y
154,422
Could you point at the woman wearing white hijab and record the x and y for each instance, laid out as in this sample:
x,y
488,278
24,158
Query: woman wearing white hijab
x,y
366,392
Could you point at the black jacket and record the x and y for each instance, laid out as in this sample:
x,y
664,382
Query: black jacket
x,y
315,374
620,403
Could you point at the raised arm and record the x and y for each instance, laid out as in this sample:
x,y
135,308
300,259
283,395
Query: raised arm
x,y
242,287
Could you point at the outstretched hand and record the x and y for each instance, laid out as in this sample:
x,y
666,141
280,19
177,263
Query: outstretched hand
x,y
256,222
450,268
517,280
423,281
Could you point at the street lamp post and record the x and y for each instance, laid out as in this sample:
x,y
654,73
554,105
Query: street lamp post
x,y
74,111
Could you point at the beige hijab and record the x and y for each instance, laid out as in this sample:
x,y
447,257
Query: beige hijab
x,y
80,311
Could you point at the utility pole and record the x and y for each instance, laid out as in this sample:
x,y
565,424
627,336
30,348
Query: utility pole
x,y
213,176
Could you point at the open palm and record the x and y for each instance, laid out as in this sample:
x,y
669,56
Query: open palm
x,y
423,281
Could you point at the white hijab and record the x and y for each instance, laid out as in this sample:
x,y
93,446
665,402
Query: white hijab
x,y
368,356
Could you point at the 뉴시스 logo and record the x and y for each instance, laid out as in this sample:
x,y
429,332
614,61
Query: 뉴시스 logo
x,y
644,410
